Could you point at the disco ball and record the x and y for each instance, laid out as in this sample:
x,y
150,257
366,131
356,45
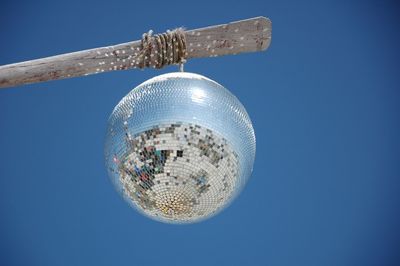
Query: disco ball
x,y
179,147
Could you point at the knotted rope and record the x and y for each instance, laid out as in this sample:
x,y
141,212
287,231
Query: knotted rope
x,y
163,49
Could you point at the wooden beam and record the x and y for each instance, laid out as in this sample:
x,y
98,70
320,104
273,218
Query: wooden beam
x,y
248,35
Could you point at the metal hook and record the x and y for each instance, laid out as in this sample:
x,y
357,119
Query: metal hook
x,y
183,61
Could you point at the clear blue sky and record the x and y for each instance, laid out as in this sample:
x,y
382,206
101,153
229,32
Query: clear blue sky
x,y
324,100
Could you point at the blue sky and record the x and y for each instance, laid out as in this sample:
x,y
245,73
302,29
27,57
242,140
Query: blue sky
x,y
324,101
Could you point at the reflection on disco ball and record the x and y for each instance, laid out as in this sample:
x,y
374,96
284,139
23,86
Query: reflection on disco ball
x,y
179,147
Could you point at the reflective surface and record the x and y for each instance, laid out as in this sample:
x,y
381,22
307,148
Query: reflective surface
x,y
179,147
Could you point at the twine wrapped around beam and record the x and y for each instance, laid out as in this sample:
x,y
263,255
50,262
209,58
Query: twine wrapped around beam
x,y
169,48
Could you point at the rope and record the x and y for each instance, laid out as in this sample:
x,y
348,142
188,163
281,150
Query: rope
x,y
168,49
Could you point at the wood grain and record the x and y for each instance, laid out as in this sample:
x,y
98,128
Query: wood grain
x,y
249,35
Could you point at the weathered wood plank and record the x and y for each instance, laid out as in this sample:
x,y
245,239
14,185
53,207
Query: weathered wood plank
x,y
249,35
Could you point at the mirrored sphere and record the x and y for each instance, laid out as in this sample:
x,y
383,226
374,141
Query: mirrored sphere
x,y
179,147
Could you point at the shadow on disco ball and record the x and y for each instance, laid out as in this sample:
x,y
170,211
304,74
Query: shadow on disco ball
x,y
179,147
